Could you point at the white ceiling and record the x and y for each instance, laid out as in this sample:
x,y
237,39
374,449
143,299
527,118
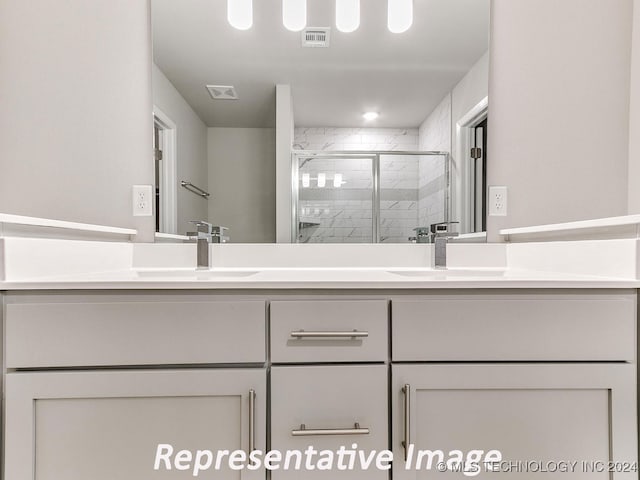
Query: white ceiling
x,y
403,76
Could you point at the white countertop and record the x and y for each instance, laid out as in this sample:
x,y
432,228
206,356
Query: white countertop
x,y
318,278
55,264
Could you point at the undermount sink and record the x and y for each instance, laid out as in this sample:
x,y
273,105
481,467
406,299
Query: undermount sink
x,y
193,273
448,273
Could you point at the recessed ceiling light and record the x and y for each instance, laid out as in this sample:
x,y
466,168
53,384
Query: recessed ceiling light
x,y
294,14
400,15
370,116
347,15
240,14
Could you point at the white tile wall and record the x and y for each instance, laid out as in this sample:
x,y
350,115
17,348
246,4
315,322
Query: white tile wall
x,y
348,139
344,215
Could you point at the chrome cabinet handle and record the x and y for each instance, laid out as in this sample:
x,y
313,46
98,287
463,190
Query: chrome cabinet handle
x,y
353,334
252,420
303,431
407,419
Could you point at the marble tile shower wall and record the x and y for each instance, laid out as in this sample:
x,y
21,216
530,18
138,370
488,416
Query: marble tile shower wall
x,y
367,139
435,135
345,214
333,214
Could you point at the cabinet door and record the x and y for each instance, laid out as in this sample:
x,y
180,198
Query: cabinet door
x,y
530,413
326,407
108,425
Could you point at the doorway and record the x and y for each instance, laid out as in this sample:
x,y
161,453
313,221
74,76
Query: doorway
x,y
165,171
478,173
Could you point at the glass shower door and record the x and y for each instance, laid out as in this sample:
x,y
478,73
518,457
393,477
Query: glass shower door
x,y
336,199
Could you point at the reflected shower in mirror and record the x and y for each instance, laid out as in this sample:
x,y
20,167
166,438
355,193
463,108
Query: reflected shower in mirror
x,y
389,123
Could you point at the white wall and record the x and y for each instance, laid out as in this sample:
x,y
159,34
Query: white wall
x,y
634,118
559,109
75,121
284,143
191,147
439,132
242,182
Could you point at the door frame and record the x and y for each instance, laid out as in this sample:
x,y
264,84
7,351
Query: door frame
x,y
464,133
169,183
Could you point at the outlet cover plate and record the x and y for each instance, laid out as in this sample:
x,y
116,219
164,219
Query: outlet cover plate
x,y
498,201
142,200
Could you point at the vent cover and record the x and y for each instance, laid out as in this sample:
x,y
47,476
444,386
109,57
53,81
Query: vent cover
x,y
316,37
222,92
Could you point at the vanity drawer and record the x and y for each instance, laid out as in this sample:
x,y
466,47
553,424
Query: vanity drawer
x,y
329,331
146,332
592,326
328,400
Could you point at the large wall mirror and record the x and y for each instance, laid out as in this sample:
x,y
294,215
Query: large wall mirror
x,y
389,128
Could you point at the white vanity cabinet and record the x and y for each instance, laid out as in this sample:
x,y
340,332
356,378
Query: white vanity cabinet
x,y
542,377
96,381
108,424
327,407
530,413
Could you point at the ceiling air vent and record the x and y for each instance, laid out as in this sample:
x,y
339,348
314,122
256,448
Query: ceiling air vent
x,y
222,92
315,37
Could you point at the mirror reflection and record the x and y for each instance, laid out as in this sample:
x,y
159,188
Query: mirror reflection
x,y
385,130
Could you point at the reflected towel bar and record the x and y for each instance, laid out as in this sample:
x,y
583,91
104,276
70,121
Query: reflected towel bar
x,y
197,190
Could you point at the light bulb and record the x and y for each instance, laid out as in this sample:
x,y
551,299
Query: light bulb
x,y
240,14
369,116
305,180
400,15
337,180
322,180
347,15
294,14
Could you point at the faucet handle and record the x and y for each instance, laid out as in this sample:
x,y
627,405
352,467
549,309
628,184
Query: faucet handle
x,y
202,226
443,228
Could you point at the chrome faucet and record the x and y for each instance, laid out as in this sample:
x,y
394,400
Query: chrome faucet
x,y
441,236
205,234
422,235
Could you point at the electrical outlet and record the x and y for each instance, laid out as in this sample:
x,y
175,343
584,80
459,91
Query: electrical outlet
x,y
498,201
142,200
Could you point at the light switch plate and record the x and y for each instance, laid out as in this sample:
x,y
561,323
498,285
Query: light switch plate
x,y
498,201
142,200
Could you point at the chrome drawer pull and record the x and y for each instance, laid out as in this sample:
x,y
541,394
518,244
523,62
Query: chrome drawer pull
x,y
407,419
252,420
304,432
353,334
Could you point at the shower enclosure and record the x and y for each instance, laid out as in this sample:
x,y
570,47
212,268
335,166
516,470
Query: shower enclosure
x,y
368,197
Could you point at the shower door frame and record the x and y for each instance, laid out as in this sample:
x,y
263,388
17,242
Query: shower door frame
x,y
297,155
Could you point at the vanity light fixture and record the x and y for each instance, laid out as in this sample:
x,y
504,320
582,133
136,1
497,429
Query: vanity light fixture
x,y
306,180
240,14
347,15
337,180
322,180
400,15
294,14
370,116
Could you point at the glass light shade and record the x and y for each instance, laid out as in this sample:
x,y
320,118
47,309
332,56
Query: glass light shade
x,y
337,180
322,180
240,14
347,15
400,15
294,14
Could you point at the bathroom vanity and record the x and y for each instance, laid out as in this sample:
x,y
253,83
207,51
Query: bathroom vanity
x,y
103,377
108,366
